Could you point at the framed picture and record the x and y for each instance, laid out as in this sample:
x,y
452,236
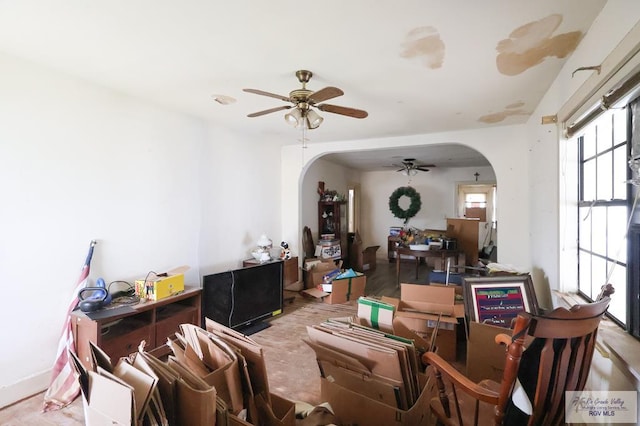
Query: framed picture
x,y
497,300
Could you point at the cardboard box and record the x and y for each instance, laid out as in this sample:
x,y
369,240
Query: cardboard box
x,y
446,339
430,301
485,357
346,289
159,286
280,412
361,258
357,409
316,269
419,309
376,314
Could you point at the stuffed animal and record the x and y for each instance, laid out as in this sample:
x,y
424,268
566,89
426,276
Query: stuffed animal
x,y
285,253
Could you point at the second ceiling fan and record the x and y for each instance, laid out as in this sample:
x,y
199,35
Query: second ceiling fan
x,y
410,167
304,100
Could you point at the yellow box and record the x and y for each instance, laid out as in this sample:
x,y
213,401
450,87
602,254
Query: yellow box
x,y
159,286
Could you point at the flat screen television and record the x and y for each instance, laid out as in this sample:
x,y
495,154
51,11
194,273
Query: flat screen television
x,y
242,298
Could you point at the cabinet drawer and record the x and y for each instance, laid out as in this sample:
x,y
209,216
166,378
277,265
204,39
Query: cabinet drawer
x,y
168,326
127,343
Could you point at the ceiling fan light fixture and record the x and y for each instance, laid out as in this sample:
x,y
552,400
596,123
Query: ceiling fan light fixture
x,y
294,117
409,172
303,99
313,119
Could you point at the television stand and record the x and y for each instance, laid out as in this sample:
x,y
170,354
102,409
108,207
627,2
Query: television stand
x,y
253,328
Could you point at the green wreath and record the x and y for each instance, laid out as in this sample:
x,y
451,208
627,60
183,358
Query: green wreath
x,y
414,207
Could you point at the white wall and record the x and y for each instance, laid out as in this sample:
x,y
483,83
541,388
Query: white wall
x,y
156,188
76,163
239,183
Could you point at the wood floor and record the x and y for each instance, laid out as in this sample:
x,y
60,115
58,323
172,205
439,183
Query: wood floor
x,y
291,365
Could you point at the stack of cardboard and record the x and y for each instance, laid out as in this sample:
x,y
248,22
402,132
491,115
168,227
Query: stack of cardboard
x,y
142,391
213,376
368,376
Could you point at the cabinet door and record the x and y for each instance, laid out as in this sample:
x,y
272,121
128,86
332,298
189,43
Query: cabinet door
x,y
330,219
169,320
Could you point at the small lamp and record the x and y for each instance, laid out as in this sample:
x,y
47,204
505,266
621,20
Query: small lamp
x,y
313,119
264,245
294,117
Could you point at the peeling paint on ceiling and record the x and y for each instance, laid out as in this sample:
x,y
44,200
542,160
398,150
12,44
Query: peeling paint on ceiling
x,y
530,44
510,110
425,43
515,105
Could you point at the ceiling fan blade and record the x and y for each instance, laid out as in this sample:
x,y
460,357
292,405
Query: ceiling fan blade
x,y
324,94
425,166
422,169
263,93
269,111
351,112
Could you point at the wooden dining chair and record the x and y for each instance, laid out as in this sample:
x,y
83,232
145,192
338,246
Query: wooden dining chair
x,y
308,247
557,359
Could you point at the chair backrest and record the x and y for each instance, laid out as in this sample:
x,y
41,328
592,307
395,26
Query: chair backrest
x,y
558,359
307,243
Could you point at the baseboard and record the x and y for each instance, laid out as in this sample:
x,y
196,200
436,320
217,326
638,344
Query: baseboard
x,y
24,388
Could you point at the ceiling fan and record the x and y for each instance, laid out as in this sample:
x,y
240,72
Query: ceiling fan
x,y
409,167
303,100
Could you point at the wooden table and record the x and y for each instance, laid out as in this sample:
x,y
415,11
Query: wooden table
x,y
419,254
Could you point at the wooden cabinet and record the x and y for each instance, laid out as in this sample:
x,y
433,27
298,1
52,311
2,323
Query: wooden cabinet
x,y
120,334
467,233
290,269
330,220
332,229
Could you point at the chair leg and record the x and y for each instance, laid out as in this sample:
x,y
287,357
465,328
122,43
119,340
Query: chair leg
x,y
442,394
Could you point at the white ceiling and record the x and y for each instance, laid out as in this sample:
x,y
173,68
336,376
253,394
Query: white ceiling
x,y
416,66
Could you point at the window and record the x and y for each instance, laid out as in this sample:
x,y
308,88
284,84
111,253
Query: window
x,y
353,208
475,200
603,209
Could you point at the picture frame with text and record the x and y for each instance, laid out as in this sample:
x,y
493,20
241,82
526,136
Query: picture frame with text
x,y
498,300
